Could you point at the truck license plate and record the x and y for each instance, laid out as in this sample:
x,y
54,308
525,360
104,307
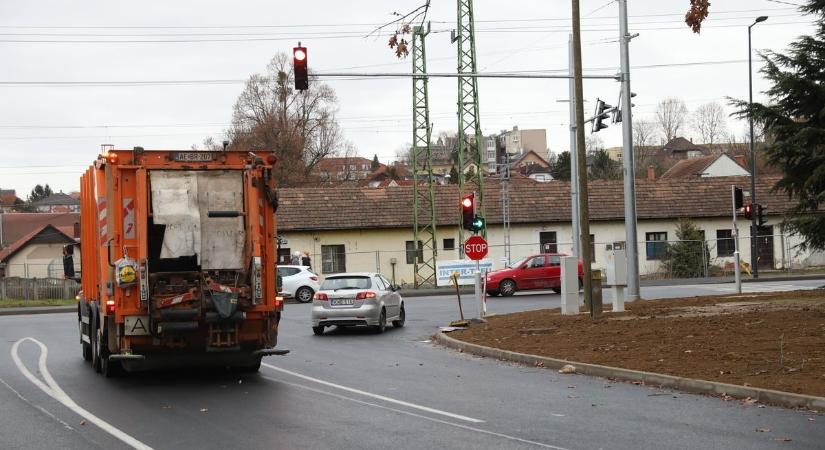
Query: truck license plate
x,y
342,302
194,156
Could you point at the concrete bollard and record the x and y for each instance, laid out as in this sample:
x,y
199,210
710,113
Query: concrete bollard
x,y
569,285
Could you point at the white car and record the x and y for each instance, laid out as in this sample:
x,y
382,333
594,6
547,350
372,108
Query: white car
x,y
352,299
298,282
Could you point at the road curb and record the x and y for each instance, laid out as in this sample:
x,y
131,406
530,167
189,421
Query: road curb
x,y
37,310
779,398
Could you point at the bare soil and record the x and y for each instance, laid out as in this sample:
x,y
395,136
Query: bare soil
x,y
774,340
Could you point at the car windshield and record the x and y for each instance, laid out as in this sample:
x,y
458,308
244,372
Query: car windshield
x,y
520,261
334,284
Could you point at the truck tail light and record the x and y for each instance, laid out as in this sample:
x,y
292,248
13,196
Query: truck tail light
x,y
110,306
321,296
364,295
279,301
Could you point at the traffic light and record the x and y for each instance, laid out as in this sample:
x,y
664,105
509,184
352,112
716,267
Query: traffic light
x,y
468,211
598,124
748,212
299,67
478,224
760,215
737,198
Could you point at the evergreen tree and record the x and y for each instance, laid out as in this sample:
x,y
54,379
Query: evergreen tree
x,y
794,121
560,169
453,175
684,259
605,168
375,164
39,193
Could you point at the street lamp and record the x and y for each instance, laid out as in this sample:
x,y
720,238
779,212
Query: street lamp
x,y
754,244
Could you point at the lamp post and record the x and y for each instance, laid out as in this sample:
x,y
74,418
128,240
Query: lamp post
x,y
754,243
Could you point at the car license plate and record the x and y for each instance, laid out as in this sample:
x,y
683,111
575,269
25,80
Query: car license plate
x,y
342,302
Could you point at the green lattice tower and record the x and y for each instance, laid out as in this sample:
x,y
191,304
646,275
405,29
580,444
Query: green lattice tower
x,y
424,223
470,141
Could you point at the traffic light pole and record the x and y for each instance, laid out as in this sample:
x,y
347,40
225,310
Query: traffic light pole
x,y
629,160
574,166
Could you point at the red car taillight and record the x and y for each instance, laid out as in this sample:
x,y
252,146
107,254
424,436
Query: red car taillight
x,y
364,295
313,278
321,296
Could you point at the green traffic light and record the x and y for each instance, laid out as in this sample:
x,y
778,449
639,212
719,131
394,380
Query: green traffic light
x,y
478,223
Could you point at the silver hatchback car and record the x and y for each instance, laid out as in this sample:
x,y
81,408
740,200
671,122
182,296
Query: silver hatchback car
x,y
352,299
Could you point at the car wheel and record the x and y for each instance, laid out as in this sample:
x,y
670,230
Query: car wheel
x,y
507,288
382,322
557,290
318,330
304,294
402,317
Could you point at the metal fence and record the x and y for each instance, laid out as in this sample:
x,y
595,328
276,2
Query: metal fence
x,y
660,259
37,288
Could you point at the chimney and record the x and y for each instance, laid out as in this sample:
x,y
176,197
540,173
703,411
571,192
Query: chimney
x,y
651,173
76,230
740,159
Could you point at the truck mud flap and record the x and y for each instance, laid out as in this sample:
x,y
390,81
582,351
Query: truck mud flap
x,y
270,352
174,327
237,316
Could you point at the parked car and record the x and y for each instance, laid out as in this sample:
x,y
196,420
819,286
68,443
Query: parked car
x,y
541,271
353,299
298,282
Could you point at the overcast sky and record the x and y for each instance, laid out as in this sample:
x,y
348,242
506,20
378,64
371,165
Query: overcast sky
x,y
49,133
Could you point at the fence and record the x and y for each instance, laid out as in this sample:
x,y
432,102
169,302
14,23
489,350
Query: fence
x,y
658,259
37,288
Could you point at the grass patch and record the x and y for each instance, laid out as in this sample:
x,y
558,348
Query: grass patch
x,y
11,303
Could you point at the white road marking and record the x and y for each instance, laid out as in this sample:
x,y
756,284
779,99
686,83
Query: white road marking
x,y
420,416
53,390
375,396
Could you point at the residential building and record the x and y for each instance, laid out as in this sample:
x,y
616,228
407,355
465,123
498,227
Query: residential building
x,y
8,200
357,229
31,244
614,153
57,203
681,148
517,141
340,169
720,165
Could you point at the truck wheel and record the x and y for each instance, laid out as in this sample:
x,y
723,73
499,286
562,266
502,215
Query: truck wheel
x,y
252,368
109,369
87,348
93,336
304,294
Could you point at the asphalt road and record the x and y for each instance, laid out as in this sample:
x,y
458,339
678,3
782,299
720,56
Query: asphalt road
x,y
353,389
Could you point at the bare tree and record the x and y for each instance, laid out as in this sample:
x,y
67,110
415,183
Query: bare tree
x,y
644,132
593,143
300,127
709,122
670,117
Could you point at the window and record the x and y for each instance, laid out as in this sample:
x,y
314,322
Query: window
x,y
379,283
555,260
547,242
724,243
284,255
346,282
333,259
412,253
287,271
656,245
449,244
538,261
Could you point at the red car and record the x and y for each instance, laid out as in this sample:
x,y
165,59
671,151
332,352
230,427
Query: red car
x,y
541,271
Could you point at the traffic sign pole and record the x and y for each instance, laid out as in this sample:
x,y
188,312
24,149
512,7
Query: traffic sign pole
x,y
476,248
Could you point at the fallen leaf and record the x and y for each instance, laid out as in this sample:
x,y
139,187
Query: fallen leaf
x,y
567,368
539,364
761,406
83,422
688,351
784,439
811,419
204,409
763,430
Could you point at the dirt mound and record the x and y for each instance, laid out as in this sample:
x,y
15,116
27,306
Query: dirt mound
x,y
773,340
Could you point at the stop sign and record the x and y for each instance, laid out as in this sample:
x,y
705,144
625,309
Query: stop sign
x,y
475,248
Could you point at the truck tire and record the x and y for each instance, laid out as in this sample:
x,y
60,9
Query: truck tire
x,y
93,325
109,369
86,347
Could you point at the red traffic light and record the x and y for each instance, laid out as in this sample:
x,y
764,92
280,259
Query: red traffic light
x,y
467,202
748,211
299,67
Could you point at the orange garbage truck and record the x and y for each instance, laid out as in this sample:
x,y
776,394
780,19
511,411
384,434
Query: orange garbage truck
x,y
177,260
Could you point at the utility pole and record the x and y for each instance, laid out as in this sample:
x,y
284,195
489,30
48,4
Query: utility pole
x,y
754,226
505,205
424,219
470,141
584,215
631,246
574,166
